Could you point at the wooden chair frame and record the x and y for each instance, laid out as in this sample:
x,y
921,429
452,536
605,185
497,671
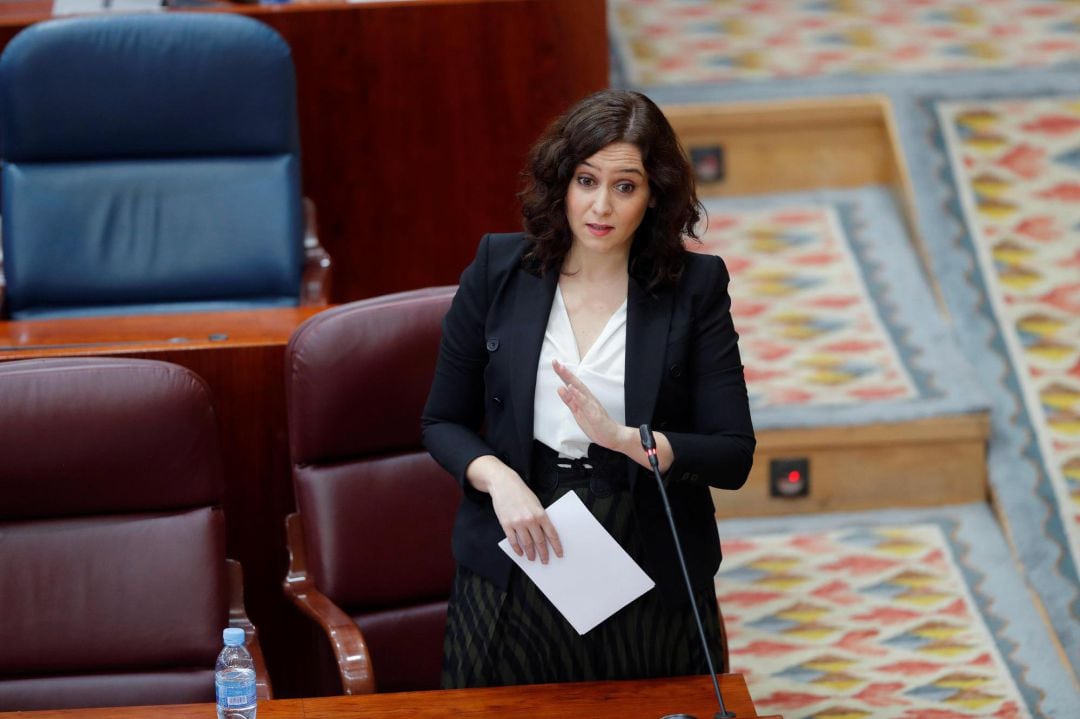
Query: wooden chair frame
x,y
315,280
238,618
346,639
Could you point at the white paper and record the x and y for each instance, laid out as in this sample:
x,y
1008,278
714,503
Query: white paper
x,y
594,578
81,7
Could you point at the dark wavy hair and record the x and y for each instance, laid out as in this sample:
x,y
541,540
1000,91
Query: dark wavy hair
x,y
657,253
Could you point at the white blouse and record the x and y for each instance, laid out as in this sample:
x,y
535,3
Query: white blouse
x,y
602,369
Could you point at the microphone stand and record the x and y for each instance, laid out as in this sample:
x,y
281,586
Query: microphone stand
x,y
649,444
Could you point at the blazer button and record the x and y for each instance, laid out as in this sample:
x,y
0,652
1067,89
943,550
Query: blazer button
x,y
497,400
686,477
492,344
693,478
675,371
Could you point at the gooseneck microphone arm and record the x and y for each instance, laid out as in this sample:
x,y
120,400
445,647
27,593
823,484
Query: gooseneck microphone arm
x,y
649,444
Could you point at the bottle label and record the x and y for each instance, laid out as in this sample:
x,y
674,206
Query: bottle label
x,y
233,694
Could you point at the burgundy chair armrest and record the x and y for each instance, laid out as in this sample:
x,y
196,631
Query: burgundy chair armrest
x,y
346,640
238,618
315,281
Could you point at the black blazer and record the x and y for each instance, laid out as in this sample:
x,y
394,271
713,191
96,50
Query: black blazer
x,y
683,376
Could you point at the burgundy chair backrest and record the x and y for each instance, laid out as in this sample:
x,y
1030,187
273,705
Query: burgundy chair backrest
x,y
377,510
112,577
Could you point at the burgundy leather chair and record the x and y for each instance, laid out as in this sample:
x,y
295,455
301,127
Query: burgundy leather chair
x,y
114,587
370,543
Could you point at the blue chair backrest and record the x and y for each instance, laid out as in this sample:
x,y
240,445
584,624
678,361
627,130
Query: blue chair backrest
x,y
150,162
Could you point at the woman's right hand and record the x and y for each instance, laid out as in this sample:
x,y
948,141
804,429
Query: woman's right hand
x,y
522,517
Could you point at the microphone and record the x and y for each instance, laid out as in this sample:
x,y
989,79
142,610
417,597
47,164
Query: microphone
x,y
649,444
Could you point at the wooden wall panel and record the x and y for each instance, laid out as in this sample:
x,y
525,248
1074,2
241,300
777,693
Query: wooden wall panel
x,y
416,119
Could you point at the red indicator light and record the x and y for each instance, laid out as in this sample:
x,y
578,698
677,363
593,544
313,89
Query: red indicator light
x,y
789,477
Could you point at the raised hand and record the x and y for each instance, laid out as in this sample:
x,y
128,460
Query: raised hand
x,y
600,428
590,415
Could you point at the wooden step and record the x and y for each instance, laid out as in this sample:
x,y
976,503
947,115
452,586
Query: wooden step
x,y
924,463
777,146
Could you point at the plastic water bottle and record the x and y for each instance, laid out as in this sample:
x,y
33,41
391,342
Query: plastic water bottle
x,y
234,678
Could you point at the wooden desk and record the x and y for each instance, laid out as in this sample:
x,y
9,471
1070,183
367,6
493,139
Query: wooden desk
x,y
649,699
141,334
241,357
415,119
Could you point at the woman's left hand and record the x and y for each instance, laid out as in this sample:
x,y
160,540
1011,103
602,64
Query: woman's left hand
x,y
590,415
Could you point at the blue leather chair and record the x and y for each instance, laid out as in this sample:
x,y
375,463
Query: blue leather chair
x,y
150,163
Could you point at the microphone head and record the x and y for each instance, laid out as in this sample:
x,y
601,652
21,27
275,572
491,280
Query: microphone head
x,y
647,440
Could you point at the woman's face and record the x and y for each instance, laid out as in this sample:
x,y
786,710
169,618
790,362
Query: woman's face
x,y
607,198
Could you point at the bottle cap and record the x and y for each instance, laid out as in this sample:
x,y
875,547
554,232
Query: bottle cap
x,y
233,636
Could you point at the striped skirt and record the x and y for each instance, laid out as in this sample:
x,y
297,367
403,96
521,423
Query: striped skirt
x,y
496,638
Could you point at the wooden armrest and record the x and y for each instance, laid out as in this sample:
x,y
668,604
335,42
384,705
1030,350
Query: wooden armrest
x,y
346,640
315,281
238,618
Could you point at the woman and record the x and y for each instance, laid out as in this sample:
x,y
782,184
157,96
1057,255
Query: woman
x,y
560,342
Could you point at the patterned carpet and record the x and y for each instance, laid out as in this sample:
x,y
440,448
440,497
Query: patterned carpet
x,y
885,615
837,324
1016,165
1011,348
681,42
867,620
861,619
809,330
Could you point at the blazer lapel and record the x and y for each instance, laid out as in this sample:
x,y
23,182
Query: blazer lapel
x,y
532,307
648,318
